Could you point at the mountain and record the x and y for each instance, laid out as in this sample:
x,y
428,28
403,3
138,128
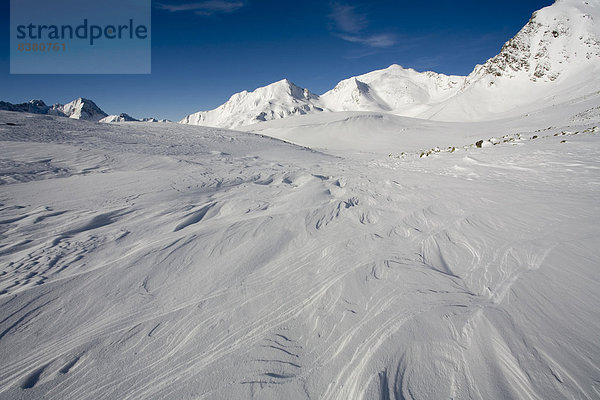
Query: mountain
x,y
152,119
32,106
128,118
553,59
80,108
558,41
277,100
394,89
77,109
83,109
118,118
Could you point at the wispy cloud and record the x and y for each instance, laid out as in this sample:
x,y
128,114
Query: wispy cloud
x,y
349,25
209,7
346,19
382,40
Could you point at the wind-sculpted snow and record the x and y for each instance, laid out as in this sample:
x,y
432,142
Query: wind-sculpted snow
x,y
169,261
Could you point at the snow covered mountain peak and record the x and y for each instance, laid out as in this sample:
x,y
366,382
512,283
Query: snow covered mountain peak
x,y
392,89
559,39
279,90
352,94
277,100
82,109
36,103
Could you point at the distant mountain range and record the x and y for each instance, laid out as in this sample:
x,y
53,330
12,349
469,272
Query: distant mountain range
x,y
77,109
553,59
80,108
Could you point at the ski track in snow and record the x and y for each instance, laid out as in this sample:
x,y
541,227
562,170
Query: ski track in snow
x,y
150,262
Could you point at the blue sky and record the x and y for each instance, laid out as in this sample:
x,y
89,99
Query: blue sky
x,y
203,51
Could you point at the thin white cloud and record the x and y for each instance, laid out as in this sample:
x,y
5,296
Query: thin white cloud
x,y
346,19
382,40
350,25
208,7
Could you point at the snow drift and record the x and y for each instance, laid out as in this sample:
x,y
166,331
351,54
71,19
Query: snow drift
x,y
169,261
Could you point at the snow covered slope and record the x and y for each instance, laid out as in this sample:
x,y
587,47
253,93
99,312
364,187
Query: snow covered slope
x,y
384,133
163,261
278,100
554,58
